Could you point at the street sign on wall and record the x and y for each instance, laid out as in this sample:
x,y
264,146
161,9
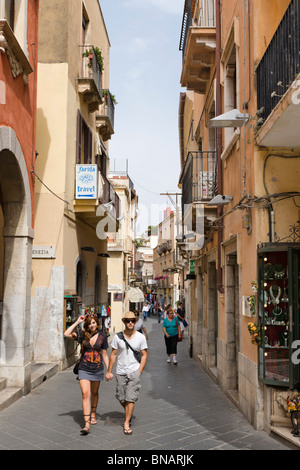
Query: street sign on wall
x,y
86,182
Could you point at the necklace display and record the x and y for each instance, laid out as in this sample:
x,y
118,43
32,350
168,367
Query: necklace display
x,y
279,271
285,298
275,298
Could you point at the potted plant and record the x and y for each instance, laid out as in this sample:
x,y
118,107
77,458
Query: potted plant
x,y
113,97
89,53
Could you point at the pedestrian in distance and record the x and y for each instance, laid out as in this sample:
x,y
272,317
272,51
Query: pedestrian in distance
x,y
159,314
129,348
145,311
171,330
139,325
90,371
181,315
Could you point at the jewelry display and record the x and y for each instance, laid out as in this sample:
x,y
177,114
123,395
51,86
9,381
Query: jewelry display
x,y
278,317
268,271
275,293
285,298
279,271
283,338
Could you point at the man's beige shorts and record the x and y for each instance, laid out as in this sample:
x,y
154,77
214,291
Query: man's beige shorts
x,y
128,386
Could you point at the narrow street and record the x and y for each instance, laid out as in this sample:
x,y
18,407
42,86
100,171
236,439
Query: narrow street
x,y
180,408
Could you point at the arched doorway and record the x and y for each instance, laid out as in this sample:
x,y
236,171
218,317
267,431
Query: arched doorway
x,y
15,263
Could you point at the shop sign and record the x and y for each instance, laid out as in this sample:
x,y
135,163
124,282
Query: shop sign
x,y
118,297
192,267
86,182
44,252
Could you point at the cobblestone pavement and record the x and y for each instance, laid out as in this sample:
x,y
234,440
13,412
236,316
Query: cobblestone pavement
x,y
180,408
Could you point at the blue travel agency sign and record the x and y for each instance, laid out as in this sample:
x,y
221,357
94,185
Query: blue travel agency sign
x,y
86,182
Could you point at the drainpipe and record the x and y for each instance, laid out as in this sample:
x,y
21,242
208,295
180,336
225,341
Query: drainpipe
x,y
219,139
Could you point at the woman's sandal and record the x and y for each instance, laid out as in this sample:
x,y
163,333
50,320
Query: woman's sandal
x,y
93,419
86,430
127,431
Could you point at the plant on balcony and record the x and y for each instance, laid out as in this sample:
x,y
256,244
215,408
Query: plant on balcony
x,y
99,57
113,97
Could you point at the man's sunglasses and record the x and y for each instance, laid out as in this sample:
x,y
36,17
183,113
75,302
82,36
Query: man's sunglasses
x,y
130,320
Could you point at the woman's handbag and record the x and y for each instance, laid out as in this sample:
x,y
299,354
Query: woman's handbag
x,y
179,331
76,367
185,323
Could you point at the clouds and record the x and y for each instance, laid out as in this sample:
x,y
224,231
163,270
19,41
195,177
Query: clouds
x,y
145,76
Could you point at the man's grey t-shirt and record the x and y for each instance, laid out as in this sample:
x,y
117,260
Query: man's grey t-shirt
x,y
126,361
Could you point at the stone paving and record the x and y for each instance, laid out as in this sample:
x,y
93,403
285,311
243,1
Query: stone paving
x,y
180,408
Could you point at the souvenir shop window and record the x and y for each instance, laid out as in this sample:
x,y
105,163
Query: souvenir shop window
x,y
70,310
278,314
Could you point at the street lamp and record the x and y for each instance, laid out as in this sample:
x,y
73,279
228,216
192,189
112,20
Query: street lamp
x,y
233,118
219,200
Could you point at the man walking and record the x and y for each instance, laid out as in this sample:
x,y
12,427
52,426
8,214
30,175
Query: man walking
x,y
130,347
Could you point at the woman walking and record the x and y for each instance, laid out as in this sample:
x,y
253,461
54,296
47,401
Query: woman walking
x,y
91,371
170,329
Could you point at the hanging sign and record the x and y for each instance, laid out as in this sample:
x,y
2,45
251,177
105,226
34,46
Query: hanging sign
x,y
192,267
86,182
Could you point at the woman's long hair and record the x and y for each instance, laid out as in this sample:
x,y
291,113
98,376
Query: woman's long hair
x,y
86,331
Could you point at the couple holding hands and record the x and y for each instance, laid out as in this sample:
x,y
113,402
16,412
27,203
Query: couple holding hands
x,y
129,348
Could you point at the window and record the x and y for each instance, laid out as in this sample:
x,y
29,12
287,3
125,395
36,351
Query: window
x,y
7,11
230,89
85,23
84,142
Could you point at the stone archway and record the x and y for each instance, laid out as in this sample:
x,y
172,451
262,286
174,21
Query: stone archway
x,y
17,233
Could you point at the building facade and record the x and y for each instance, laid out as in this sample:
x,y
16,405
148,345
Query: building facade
x,y
239,151
73,194
122,250
165,268
18,85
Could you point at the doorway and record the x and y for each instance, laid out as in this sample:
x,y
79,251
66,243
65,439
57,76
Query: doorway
x,y
15,261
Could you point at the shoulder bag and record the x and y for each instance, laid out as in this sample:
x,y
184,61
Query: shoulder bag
x,y
179,331
137,354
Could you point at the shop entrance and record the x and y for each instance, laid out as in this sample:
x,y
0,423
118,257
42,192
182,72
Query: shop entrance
x,y
15,262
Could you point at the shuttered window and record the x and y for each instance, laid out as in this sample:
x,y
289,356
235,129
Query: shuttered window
x,y
84,142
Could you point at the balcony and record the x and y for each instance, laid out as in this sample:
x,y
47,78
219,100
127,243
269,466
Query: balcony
x,y
117,243
102,193
9,44
165,247
198,44
106,116
199,178
90,80
278,84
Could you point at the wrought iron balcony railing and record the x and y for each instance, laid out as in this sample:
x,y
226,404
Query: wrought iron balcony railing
x,y
280,64
199,177
90,77
204,16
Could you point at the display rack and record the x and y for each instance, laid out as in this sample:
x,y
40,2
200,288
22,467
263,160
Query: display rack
x,y
278,312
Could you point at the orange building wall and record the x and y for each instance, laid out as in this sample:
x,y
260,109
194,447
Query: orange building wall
x,y
19,112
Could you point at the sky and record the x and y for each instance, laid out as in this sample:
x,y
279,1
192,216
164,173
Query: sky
x,y
145,69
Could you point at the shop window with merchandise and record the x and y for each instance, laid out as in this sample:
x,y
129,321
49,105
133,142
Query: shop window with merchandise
x,y
278,314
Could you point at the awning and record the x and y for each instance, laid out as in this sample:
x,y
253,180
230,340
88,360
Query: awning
x,y
135,295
